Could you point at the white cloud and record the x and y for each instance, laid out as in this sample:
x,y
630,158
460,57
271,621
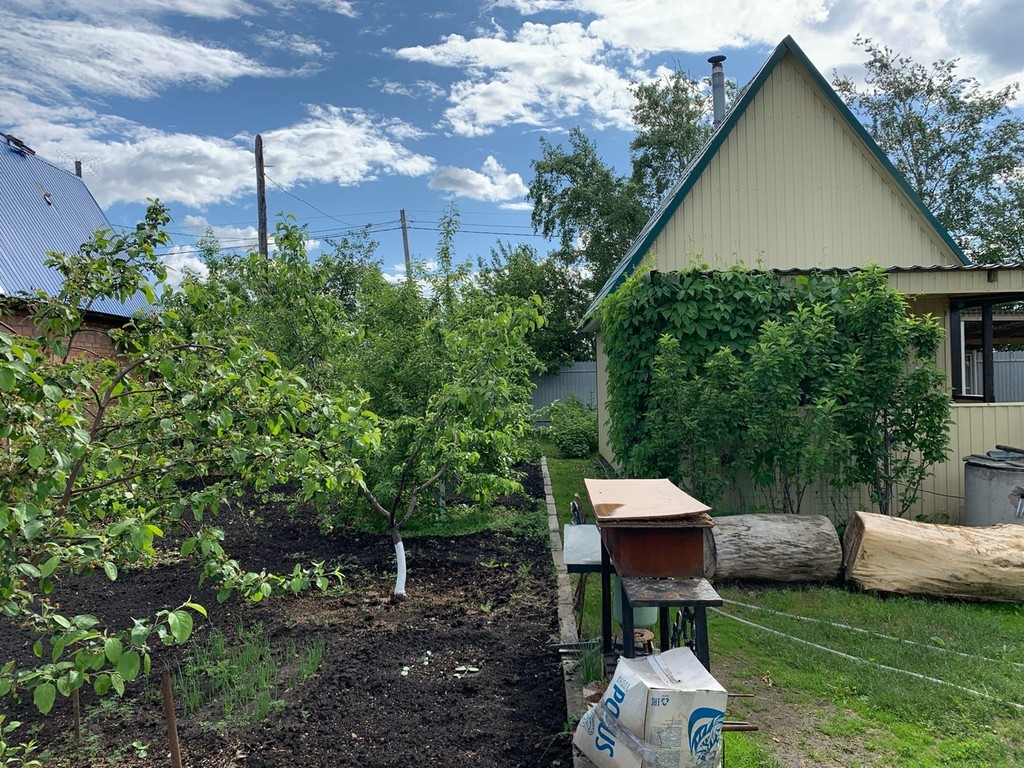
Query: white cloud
x,y
229,237
181,260
294,43
493,184
340,7
522,206
351,146
543,74
140,9
53,57
129,162
414,89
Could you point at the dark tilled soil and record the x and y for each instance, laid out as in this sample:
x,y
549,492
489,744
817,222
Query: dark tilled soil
x,y
483,602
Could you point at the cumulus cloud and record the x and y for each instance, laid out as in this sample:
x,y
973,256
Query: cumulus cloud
x,y
493,184
129,162
344,146
181,261
538,76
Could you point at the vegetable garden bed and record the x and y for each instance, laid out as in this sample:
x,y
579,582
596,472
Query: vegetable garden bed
x,y
464,672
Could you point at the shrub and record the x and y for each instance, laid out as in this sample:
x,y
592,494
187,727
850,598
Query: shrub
x,y
573,427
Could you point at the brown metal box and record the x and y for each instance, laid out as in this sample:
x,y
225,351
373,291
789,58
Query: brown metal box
x,y
658,551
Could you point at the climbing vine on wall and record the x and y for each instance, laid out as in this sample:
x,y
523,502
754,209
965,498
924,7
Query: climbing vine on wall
x,y
818,378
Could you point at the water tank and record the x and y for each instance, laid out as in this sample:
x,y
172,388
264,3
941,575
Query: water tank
x,y
994,488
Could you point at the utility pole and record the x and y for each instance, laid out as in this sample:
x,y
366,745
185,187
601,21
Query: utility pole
x,y
261,197
405,243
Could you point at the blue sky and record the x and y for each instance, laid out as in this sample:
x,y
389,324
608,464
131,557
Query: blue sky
x,y
370,107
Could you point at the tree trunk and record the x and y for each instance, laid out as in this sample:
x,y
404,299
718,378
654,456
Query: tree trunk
x,y
396,538
889,554
789,548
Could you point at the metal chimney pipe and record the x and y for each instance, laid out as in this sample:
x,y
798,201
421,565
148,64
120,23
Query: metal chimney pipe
x,y
717,88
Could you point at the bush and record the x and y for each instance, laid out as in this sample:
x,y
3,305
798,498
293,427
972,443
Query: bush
x,y
573,427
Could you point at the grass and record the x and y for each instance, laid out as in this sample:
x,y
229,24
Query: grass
x,y
243,680
876,708
931,683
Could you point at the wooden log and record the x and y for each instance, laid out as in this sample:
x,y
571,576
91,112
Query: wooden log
x,y
889,554
789,548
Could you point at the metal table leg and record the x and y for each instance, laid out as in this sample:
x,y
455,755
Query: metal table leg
x,y
606,601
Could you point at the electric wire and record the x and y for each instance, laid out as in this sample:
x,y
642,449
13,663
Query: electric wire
x,y
868,662
863,631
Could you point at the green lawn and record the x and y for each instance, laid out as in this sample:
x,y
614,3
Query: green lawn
x,y
841,678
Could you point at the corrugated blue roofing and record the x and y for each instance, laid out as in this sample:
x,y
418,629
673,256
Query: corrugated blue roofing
x,y
45,208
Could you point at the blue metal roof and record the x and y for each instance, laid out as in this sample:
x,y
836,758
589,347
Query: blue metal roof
x,y
45,208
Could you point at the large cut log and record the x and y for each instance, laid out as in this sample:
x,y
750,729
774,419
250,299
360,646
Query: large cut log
x,y
889,554
773,548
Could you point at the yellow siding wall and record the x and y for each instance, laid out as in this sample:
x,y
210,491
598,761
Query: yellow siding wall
x,y
792,186
603,444
976,428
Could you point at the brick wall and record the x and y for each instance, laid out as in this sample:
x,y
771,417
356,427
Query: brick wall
x,y
93,340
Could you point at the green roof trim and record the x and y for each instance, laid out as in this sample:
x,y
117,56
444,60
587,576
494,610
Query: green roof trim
x,y
668,206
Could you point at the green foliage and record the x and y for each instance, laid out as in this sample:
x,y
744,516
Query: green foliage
x,y
15,755
444,364
573,427
596,213
285,303
242,679
958,146
517,272
673,120
707,312
103,457
720,376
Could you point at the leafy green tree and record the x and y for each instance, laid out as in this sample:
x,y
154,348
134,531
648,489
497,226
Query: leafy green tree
x,y
104,457
445,367
285,303
673,120
593,211
895,401
517,272
958,145
448,370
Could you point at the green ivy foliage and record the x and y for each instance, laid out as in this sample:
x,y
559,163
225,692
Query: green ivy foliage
x,y
708,311
822,378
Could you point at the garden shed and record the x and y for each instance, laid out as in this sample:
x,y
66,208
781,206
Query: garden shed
x,y
791,182
47,208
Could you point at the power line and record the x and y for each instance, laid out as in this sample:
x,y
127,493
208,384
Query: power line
x,y
304,202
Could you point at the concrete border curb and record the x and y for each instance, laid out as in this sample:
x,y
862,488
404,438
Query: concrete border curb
x,y
567,630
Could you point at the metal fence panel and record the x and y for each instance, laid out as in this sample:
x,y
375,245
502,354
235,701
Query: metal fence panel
x,y
1009,376
578,379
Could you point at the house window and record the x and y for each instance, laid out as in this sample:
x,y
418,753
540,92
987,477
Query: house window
x,y
972,372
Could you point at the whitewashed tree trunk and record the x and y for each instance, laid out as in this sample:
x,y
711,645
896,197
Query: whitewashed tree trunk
x,y
788,548
889,554
396,538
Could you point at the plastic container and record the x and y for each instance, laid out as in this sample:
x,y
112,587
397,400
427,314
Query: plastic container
x,y
642,617
994,488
